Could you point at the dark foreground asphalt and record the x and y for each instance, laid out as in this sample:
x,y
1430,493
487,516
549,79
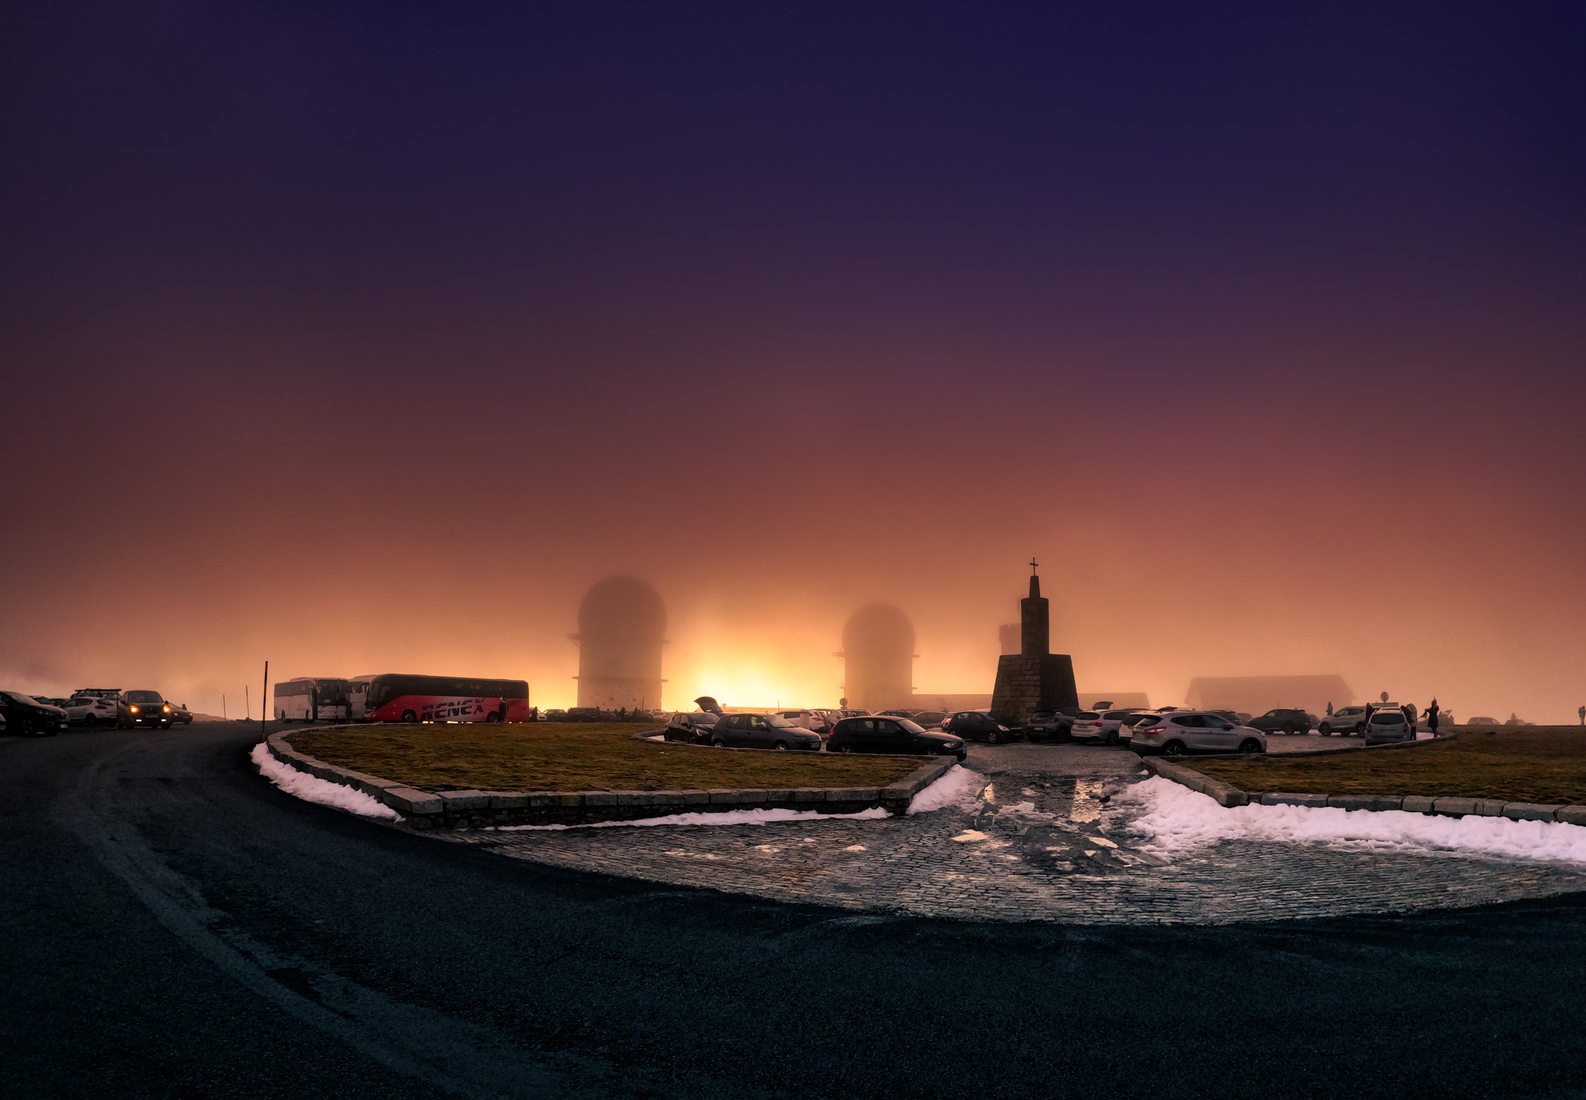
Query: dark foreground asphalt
x,y
172,925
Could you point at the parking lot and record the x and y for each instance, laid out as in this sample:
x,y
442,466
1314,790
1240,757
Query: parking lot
x,y
1042,841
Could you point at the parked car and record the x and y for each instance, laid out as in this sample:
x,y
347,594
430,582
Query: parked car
x,y
97,693
1284,720
1086,726
1389,725
977,725
1105,727
90,711
888,734
763,731
693,728
1143,718
1481,720
144,708
25,714
180,713
812,720
1195,731
930,719
1344,721
1049,725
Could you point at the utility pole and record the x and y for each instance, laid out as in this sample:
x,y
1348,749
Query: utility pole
x,y
247,703
264,707
223,717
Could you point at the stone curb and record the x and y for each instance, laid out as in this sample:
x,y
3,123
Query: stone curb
x,y
477,809
1228,795
1225,794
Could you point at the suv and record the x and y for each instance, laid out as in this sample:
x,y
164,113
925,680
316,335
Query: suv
x,y
977,725
1283,720
1196,731
1344,721
143,708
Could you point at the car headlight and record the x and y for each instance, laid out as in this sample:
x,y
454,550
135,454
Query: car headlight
x,y
167,708
133,708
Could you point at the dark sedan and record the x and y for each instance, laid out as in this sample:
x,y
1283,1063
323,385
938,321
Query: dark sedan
x,y
977,725
763,731
690,728
880,733
25,714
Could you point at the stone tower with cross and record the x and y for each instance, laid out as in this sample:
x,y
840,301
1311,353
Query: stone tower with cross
x,y
1034,678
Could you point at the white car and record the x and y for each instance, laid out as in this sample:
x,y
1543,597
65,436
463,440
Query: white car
x,y
1109,727
84,710
1387,726
812,720
1195,731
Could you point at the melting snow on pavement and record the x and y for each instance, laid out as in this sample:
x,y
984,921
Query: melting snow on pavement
x,y
311,788
726,817
1178,819
958,787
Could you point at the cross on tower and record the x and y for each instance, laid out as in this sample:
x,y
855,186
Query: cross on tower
x,y
1032,565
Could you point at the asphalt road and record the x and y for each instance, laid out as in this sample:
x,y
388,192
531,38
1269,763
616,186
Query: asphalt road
x,y
175,926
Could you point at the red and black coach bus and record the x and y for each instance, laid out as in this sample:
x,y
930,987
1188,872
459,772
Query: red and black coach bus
x,y
396,697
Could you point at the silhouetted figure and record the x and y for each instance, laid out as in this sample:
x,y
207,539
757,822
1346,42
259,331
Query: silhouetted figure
x,y
1432,715
534,714
1329,708
622,714
1582,713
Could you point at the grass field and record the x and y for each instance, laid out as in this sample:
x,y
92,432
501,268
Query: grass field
x,y
578,756
1526,764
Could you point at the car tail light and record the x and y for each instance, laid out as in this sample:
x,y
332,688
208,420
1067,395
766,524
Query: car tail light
x,y
1154,729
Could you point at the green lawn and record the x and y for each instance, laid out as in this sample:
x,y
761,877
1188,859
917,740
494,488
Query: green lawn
x,y
578,756
1525,764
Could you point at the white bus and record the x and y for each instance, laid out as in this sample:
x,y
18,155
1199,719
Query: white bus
x,y
312,699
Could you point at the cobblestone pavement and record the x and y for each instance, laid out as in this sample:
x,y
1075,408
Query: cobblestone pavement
x,y
1041,843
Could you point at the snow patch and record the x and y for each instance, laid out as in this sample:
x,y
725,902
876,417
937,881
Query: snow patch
x,y
726,817
311,788
1177,819
1026,810
958,787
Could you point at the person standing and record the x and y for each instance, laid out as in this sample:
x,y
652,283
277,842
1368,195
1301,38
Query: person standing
x,y
1431,716
1329,708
